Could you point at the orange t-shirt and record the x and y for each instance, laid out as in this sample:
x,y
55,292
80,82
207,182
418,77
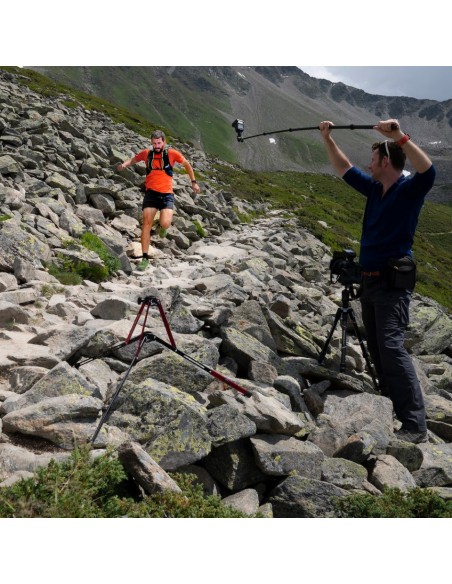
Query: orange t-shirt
x,y
157,179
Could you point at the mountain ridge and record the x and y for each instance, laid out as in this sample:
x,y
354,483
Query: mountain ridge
x,y
200,103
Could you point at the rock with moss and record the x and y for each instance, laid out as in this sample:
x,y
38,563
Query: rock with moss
x,y
16,241
343,473
66,421
226,424
59,381
436,467
167,422
278,455
168,367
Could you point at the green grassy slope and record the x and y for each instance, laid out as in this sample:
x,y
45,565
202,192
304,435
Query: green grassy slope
x,y
316,197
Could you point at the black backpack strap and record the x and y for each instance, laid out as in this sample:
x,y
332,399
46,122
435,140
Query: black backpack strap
x,y
165,160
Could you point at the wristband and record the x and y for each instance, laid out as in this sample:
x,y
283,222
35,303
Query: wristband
x,y
193,182
403,140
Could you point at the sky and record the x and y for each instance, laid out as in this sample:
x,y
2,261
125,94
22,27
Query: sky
x,y
420,82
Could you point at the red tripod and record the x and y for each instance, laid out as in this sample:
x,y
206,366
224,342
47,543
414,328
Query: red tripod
x,y
147,337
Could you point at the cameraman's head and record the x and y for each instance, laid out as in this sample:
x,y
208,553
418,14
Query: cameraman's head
x,y
386,157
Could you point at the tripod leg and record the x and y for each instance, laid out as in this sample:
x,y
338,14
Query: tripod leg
x,y
343,340
327,342
106,414
363,349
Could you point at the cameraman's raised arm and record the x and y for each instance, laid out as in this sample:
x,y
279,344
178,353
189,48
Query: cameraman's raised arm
x,y
418,158
339,161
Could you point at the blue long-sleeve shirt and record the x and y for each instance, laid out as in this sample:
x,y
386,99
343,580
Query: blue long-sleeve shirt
x,y
389,221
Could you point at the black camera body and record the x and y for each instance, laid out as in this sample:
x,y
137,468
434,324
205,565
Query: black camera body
x,y
344,266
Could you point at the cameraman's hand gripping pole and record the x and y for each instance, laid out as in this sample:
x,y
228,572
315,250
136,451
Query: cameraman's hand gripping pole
x,y
146,337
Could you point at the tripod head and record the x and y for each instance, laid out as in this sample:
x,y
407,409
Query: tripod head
x,y
150,300
348,293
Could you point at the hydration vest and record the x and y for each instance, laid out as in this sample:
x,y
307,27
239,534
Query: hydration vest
x,y
166,166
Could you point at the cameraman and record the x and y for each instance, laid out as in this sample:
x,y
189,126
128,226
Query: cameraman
x,y
390,219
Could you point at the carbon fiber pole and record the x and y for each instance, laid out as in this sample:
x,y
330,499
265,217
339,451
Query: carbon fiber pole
x,y
348,127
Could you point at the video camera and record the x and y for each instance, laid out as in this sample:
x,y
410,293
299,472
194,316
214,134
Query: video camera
x,y
344,266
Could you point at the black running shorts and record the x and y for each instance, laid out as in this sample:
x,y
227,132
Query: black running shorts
x,y
157,200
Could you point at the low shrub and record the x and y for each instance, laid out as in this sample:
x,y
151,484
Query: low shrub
x,y
394,503
85,488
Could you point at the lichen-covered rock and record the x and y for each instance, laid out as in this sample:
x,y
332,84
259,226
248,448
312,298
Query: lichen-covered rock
x,y
167,422
66,421
278,455
59,381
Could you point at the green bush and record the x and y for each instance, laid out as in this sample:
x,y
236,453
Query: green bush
x,y
72,273
5,217
199,229
396,504
94,243
85,488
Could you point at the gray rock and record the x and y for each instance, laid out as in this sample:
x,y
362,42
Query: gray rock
x,y
244,348
263,372
16,459
278,455
113,309
301,497
246,501
343,473
66,421
16,242
11,314
358,447
249,318
233,465
22,379
60,381
148,474
269,415
289,341
389,472
410,455
436,467
344,417
290,386
226,424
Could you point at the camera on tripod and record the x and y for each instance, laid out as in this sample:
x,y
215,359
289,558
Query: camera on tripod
x,y
344,266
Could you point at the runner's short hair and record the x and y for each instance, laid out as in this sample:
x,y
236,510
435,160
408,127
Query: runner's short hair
x,y
158,134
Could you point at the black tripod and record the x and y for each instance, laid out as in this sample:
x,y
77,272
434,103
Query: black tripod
x,y
342,314
148,337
